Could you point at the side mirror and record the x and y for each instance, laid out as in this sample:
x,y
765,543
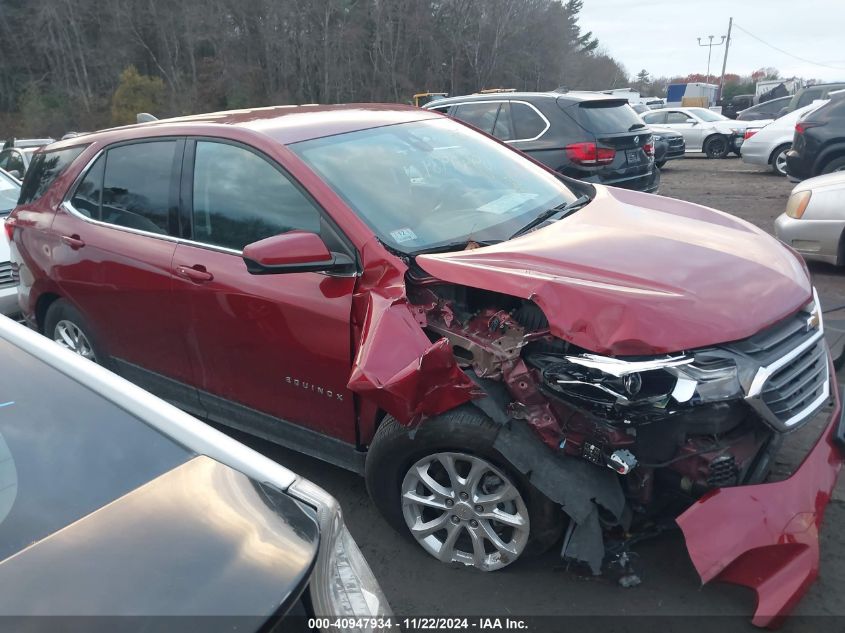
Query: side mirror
x,y
293,252
692,121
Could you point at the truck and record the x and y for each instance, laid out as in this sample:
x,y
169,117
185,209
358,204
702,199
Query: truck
x,y
695,93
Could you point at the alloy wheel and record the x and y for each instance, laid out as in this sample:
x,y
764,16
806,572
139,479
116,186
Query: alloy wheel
x,y
780,163
71,337
461,508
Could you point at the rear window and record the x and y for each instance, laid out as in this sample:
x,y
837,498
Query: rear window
x,y
66,451
608,117
44,170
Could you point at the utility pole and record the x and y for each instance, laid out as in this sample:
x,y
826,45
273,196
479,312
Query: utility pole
x,y
725,60
709,44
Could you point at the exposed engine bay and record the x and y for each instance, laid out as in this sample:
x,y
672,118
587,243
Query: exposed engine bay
x,y
671,427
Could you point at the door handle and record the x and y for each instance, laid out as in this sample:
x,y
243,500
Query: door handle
x,y
197,274
74,241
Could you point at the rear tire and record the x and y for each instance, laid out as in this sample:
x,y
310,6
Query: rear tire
x,y
66,326
716,146
777,161
397,475
660,164
837,164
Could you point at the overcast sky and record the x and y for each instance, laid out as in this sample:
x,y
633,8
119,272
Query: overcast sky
x,y
660,35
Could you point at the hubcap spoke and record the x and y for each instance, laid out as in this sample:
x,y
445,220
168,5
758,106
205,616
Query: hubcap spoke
x,y
478,553
429,502
429,482
422,530
511,520
496,540
447,547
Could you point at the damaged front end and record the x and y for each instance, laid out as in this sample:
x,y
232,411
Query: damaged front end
x,y
621,443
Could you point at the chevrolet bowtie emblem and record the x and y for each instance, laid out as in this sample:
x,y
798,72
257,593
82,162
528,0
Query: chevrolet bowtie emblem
x,y
636,140
813,321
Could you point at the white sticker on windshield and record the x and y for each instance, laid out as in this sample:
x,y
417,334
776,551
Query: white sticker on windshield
x,y
507,203
403,235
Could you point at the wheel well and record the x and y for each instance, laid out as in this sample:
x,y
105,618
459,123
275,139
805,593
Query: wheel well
x,y
43,304
776,151
840,258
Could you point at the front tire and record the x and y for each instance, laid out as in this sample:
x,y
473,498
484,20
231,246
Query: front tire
x,y
716,146
455,495
660,164
777,161
66,326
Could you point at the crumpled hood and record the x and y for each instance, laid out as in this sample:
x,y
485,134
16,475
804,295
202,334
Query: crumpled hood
x,y
634,273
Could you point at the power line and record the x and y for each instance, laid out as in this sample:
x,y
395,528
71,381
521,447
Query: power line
x,y
780,50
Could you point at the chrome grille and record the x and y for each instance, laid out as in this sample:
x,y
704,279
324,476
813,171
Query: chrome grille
x,y
6,278
797,384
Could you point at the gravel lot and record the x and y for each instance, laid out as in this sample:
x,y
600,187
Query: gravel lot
x,y
418,585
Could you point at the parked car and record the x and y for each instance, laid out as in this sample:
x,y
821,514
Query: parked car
x,y
808,94
9,191
814,221
736,104
585,135
769,144
115,503
703,130
17,154
818,144
765,110
504,353
668,144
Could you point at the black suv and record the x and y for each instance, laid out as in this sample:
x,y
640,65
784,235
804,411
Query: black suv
x,y
818,146
585,135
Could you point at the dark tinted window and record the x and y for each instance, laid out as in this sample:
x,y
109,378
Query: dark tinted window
x,y
442,109
504,128
481,115
654,118
65,451
43,171
15,163
240,198
137,185
607,117
526,122
89,193
808,97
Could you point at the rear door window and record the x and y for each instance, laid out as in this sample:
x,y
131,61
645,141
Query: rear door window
x,y
43,171
527,122
89,194
138,185
654,118
678,117
504,126
608,117
239,198
481,115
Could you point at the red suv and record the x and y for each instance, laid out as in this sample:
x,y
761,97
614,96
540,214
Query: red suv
x,y
508,355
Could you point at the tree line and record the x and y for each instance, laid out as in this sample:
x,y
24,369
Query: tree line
x,y
85,64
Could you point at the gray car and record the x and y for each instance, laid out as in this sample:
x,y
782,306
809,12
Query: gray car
x,y
814,221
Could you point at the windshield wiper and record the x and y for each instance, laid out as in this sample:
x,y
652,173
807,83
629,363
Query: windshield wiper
x,y
636,126
565,209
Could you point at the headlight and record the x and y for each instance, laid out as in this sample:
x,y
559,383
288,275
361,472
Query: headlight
x,y
706,381
656,137
343,585
797,204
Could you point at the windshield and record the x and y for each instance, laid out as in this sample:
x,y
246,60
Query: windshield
x,y
432,184
9,192
708,115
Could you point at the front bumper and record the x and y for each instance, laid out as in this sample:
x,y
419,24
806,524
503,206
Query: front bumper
x,y
736,142
814,239
766,536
